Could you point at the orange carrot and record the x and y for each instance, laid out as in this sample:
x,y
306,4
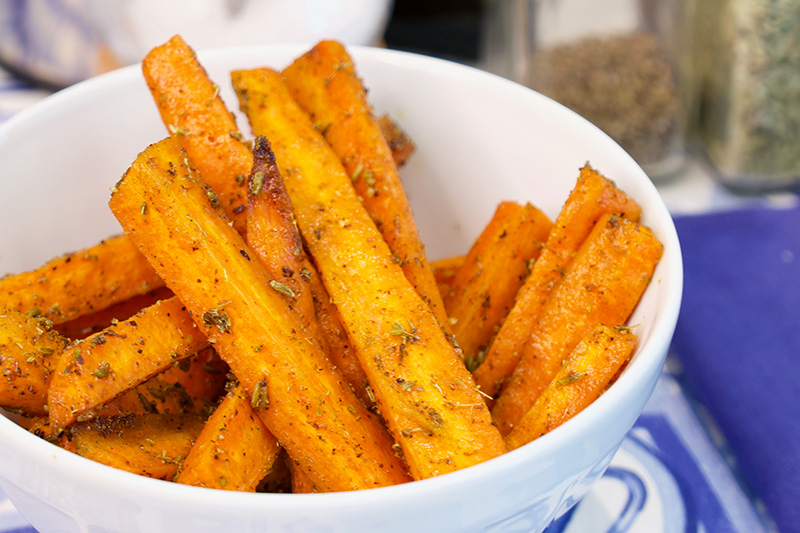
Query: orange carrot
x,y
592,197
95,370
191,385
234,451
29,351
420,383
587,371
80,283
484,288
151,445
273,235
299,397
602,284
444,272
324,82
194,113
85,325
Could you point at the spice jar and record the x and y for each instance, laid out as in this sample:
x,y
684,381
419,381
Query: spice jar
x,y
747,60
616,62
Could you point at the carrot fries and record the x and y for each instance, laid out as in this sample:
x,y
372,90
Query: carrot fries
x,y
603,283
299,397
420,383
324,82
585,374
592,197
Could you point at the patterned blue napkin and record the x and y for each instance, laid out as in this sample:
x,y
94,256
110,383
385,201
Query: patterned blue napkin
x,y
738,338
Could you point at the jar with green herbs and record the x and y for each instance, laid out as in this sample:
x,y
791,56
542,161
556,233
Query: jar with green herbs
x,y
615,62
747,60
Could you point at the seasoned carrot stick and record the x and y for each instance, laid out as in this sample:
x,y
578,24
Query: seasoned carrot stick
x,y
191,385
444,272
234,451
301,483
273,235
602,284
584,375
151,445
300,399
101,367
483,291
29,351
324,82
420,383
82,282
193,112
592,197
85,325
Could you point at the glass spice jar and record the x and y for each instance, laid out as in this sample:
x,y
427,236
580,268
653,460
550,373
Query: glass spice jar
x,y
615,62
747,60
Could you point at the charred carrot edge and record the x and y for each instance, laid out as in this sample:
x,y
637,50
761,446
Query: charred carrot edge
x,y
235,451
324,82
193,112
191,385
421,385
602,284
103,366
587,371
151,445
300,399
496,266
592,197
399,142
29,351
82,282
85,325
273,235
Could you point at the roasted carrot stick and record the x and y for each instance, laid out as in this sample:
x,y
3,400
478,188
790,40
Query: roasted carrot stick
x,y
420,383
82,282
444,272
85,325
484,288
151,445
234,451
95,370
29,351
324,82
602,284
301,483
592,197
194,113
299,397
587,371
273,235
191,385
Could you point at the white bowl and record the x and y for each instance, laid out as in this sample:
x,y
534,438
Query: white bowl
x,y
481,139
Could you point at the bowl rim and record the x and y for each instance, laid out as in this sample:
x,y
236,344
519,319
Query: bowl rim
x,y
648,355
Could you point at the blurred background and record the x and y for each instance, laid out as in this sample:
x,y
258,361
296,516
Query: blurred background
x,y
656,75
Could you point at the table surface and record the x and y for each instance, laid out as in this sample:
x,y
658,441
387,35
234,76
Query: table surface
x,y
673,472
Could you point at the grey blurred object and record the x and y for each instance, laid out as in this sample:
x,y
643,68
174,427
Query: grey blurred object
x,y
616,62
747,65
60,42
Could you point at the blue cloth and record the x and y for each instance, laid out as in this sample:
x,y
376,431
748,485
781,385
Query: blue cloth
x,y
738,338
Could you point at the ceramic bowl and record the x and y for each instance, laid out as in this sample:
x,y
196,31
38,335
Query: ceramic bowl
x,y
481,139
